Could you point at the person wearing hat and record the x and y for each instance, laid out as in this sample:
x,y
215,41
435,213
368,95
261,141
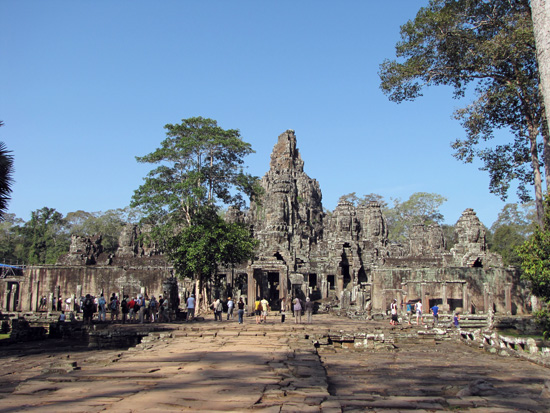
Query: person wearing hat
x,y
230,305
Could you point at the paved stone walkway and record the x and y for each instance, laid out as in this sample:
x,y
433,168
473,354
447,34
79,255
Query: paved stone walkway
x,y
276,367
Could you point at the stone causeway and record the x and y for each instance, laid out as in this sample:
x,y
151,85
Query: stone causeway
x,y
335,364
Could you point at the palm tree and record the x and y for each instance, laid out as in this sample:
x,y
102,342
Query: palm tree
x,y
6,179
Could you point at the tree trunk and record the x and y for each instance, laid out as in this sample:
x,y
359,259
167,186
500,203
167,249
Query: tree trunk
x,y
533,133
546,149
540,13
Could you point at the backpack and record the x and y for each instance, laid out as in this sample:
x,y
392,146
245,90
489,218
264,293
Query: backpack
x,y
88,303
113,305
259,306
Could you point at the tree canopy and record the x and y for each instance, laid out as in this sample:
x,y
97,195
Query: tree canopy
x,y
488,45
420,208
199,163
200,169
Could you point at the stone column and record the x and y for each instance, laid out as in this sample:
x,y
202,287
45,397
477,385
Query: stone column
x,y
445,305
485,297
251,293
383,305
425,299
508,298
340,283
7,300
50,304
78,294
13,300
465,298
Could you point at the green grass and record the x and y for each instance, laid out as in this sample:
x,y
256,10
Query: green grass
x,y
3,336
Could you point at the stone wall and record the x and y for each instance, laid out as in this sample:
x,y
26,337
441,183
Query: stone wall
x,y
75,281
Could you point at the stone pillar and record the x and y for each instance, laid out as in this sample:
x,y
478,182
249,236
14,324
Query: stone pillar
x,y
7,300
340,283
425,299
465,299
282,285
51,302
79,294
445,307
13,298
508,298
485,297
251,293
384,303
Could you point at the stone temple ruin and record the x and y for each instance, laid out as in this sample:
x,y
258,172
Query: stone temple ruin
x,y
344,256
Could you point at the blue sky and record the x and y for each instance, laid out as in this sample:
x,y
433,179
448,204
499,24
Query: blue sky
x,y
85,86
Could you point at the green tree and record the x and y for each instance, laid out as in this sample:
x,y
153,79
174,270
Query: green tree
x,y
201,169
11,244
488,45
535,263
6,176
199,164
199,249
420,208
109,224
512,227
45,236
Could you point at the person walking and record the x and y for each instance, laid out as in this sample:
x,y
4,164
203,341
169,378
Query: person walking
x,y
230,305
418,309
265,309
297,311
435,312
102,307
258,310
283,309
240,306
191,308
394,318
456,319
218,309
309,309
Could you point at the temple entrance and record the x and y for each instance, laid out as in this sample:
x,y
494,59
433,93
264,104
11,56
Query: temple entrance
x,y
344,270
362,276
273,288
455,303
12,298
331,282
315,291
240,286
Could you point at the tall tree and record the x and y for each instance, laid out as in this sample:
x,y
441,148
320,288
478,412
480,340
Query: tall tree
x,y
199,163
45,236
6,177
487,44
201,169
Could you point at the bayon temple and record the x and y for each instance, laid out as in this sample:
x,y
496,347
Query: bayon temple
x,y
343,257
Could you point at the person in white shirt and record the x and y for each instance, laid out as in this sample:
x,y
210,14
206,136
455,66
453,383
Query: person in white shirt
x,y
191,308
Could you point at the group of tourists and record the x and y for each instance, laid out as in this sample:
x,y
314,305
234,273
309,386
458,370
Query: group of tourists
x,y
418,312
140,309
262,309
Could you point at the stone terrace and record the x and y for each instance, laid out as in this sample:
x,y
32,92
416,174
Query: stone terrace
x,y
333,365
